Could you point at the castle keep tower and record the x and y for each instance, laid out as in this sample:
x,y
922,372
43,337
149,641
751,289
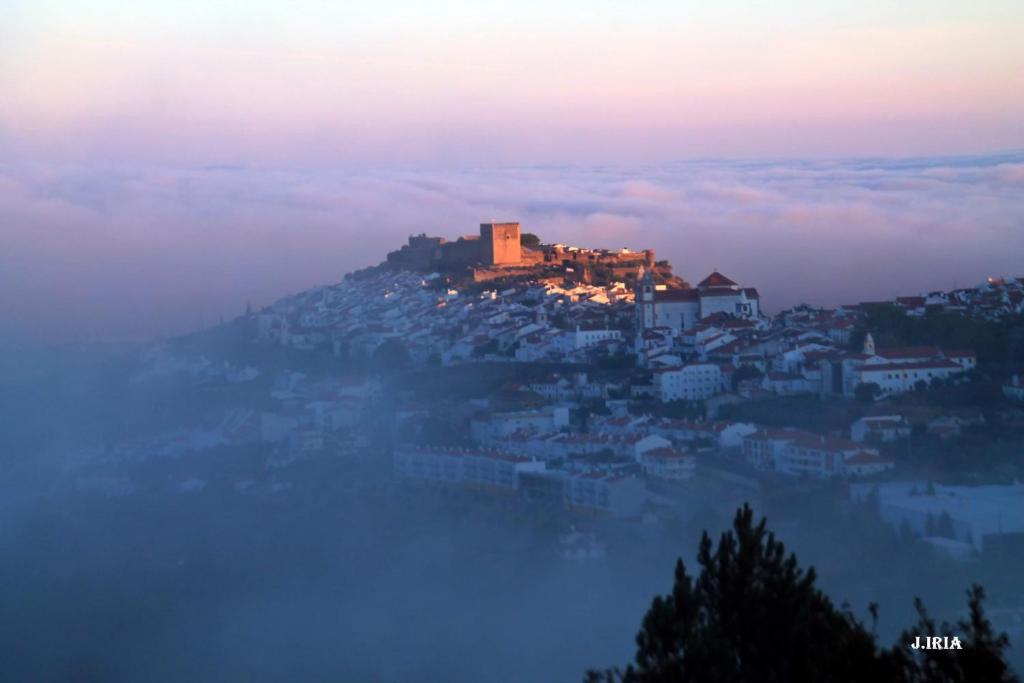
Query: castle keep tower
x,y
499,244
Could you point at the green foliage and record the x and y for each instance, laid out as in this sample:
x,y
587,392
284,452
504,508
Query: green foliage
x,y
528,239
993,341
752,614
993,454
866,392
981,659
491,347
619,360
679,410
744,372
804,412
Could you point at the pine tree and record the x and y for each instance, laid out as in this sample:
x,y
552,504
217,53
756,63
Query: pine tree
x,y
753,615
980,660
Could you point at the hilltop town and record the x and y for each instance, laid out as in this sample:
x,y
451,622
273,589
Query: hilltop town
x,y
598,384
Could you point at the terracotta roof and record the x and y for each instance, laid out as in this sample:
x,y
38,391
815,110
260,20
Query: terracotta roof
x,y
908,352
820,442
865,458
666,454
924,365
716,279
676,295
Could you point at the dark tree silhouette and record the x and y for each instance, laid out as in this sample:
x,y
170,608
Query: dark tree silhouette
x,y
867,392
753,615
528,239
981,658
744,372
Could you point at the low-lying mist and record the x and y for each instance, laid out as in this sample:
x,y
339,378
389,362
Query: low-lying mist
x,y
139,252
211,566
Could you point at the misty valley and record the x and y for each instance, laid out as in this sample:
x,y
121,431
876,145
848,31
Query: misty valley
x,y
439,472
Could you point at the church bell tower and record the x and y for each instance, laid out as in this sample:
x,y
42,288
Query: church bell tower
x,y
644,300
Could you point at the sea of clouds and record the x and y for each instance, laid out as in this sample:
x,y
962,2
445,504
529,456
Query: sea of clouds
x,y
115,253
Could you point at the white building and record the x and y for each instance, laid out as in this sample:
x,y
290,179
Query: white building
x,y
605,494
880,429
1014,388
798,453
898,378
583,338
485,469
668,463
499,425
694,382
894,370
680,309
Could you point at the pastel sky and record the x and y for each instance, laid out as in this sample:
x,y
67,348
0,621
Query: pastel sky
x,y
162,163
458,81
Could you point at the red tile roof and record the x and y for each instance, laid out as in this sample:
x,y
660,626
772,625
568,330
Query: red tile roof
x,y
865,458
716,279
681,295
923,365
908,352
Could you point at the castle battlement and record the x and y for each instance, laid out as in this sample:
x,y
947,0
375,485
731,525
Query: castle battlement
x,y
497,252
498,244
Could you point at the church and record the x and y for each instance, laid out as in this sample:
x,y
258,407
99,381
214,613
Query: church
x,y
681,309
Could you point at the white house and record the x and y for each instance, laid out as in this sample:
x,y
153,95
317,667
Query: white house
x,y
668,463
799,453
498,425
693,382
605,494
484,469
898,378
649,443
1014,388
583,338
880,429
894,370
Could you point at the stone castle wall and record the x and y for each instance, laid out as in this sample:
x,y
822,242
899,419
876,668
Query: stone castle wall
x,y
501,244
497,245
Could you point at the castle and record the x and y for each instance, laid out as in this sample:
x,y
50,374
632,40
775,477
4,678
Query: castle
x,y
498,244
498,252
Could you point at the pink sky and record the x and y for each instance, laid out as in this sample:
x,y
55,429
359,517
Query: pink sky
x,y
301,84
162,163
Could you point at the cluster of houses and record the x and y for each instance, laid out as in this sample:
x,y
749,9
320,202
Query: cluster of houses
x,y
305,416
608,465
796,452
495,472
706,343
528,322
689,344
995,299
612,465
802,351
